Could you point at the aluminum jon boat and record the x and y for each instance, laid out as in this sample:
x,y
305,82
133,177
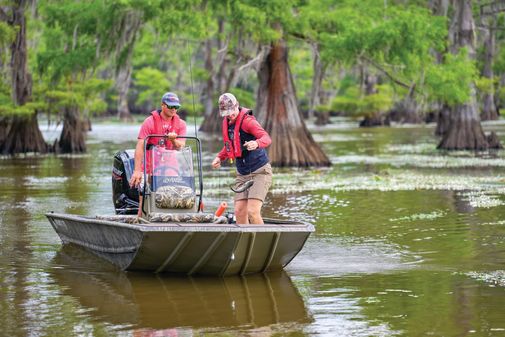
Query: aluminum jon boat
x,y
174,235
185,248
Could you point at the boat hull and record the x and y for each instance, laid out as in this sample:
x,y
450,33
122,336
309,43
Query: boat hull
x,y
186,248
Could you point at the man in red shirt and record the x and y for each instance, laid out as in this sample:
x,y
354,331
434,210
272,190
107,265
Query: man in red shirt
x,y
166,122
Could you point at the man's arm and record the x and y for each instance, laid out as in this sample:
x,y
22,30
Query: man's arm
x,y
176,143
172,136
254,128
139,157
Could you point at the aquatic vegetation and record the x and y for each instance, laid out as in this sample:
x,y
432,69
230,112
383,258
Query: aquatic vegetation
x,y
496,277
411,148
393,180
423,216
481,199
421,161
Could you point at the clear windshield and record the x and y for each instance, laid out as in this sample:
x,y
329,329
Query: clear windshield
x,y
172,168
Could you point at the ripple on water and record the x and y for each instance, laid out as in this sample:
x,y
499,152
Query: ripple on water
x,y
341,316
337,257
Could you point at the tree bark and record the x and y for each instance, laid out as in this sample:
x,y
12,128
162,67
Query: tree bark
x,y
20,134
123,81
464,131
21,79
406,110
489,111
216,81
443,120
317,80
212,121
129,27
369,87
73,134
278,111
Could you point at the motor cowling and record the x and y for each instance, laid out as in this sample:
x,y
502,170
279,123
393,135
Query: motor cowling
x,y
125,198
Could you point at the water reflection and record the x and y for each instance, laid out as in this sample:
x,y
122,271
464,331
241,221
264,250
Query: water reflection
x,y
147,301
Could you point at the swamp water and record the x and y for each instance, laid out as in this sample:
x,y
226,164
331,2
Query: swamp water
x,y
409,242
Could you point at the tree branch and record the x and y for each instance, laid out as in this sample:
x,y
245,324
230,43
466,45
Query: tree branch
x,y
385,72
257,60
3,15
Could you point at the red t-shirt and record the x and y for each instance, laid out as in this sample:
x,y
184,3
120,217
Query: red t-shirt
x,y
176,125
148,128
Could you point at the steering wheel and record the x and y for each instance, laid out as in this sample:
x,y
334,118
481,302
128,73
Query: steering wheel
x,y
163,170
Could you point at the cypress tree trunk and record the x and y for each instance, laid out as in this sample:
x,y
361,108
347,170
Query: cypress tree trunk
x,y
292,144
443,120
20,134
489,111
123,81
212,120
73,134
216,82
464,131
369,87
129,26
406,110
317,79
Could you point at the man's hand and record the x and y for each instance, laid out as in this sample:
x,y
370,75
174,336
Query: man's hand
x,y
177,143
136,178
171,136
216,163
251,145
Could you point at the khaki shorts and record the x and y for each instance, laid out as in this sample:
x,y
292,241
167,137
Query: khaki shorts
x,y
262,181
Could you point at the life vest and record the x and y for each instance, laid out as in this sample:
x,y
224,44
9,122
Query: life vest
x,y
234,150
158,129
156,141
246,161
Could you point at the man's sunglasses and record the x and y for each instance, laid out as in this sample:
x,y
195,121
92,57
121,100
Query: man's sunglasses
x,y
172,107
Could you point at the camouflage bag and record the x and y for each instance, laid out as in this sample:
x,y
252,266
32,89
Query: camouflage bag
x,y
169,197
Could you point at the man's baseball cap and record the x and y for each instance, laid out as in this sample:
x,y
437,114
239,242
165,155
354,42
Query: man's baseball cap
x,y
171,99
227,104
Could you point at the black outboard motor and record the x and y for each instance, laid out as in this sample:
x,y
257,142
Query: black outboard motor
x,y
125,198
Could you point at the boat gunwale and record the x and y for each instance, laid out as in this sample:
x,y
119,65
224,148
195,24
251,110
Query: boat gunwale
x,y
300,226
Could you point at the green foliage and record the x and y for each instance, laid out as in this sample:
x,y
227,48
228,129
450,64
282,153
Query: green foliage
x,y
300,60
499,63
85,96
398,38
70,38
450,81
352,101
7,34
245,98
485,85
152,84
257,17
28,109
